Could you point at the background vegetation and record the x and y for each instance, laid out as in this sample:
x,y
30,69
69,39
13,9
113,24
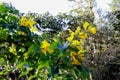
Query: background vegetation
x,y
45,47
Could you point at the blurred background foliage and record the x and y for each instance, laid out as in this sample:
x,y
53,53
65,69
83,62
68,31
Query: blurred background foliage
x,y
9,16
102,56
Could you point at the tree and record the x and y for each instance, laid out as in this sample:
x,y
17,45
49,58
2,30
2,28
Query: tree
x,y
83,8
9,16
114,17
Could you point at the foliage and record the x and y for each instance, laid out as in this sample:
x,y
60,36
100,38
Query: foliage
x,y
25,55
115,18
8,14
74,53
46,20
84,10
102,53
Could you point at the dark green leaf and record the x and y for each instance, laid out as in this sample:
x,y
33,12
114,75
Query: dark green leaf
x,y
84,71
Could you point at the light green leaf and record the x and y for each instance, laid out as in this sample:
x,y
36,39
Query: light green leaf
x,y
22,65
53,45
43,64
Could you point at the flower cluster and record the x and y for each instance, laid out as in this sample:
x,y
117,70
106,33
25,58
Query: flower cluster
x,y
76,40
89,28
28,23
45,47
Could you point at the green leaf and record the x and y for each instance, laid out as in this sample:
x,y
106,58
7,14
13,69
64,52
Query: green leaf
x,y
76,71
43,64
34,47
32,77
1,73
25,30
22,65
53,45
22,49
84,71
2,8
3,34
54,70
25,72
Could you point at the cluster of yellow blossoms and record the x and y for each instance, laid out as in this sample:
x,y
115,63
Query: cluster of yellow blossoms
x,y
45,47
28,23
76,41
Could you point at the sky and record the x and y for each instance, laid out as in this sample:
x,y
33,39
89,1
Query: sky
x,y
41,6
103,4
53,6
102,7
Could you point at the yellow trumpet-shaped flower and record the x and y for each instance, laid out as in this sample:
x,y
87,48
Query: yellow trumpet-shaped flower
x,y
79,47
70,38
85,25
23,21
92,29
12,49
77,30
75,43
45,45
71,32
31,23
75,61
76,57
28,23
72,53
80,56
82,35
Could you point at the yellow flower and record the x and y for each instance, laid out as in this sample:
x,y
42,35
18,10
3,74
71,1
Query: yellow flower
x,y
12,49
71,32
81,41
21,33
85,25
92,29
45,45
76,57
80,56
69,39
23,21
31,23
77,30
75,61
33,29
27,22
82,35
72,53
75,42
79,48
